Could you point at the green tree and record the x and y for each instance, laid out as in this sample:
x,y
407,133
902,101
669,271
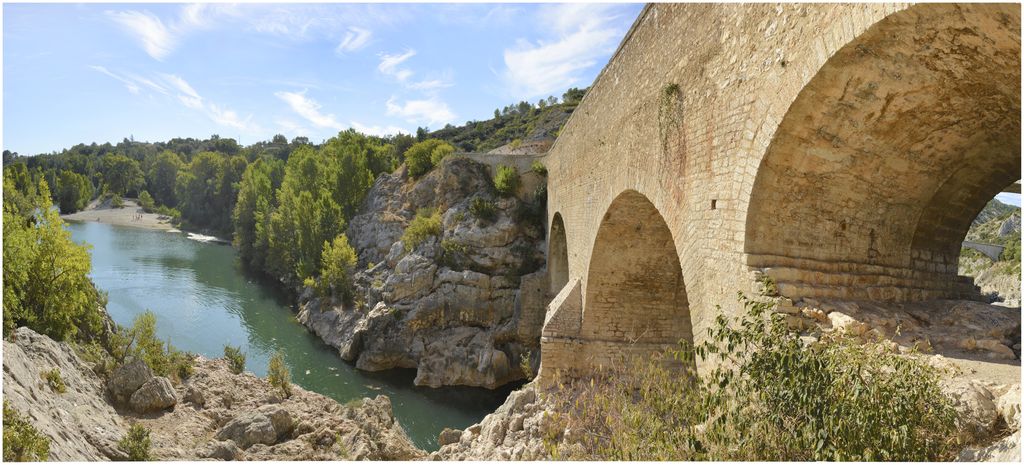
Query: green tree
x,y
253,209
278,374
122,175
146,201
162,178
337,263
73,191
46,274
506,181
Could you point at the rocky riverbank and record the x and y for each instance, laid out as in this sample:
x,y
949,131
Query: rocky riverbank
x,y
463,307
213,413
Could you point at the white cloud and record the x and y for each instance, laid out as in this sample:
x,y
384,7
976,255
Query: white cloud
x,y
389,65
157,39
585,33
188,97
355,39
431,111
309,109
378,130
131,85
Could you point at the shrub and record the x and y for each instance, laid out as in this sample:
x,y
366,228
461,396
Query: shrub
x,y
770,397
336,266
136,443
54,380
278,374
483,209
426,224
507,180
236,359
146,201
141,341
116,201
22,442
419,157
440,152
539,168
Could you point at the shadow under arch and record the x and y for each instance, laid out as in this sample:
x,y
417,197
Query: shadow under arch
x,y
558,255
635,298
888,153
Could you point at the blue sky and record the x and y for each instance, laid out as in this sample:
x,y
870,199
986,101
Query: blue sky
x,y
85,73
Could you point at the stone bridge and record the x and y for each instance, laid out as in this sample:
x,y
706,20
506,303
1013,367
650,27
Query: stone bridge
x,y
841,150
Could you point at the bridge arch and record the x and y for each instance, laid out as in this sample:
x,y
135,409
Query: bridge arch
x,y
558,255
874,174
635,297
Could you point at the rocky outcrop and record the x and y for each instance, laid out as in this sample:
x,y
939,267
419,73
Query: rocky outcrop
x,y
80,423
463,308
222,416
515,431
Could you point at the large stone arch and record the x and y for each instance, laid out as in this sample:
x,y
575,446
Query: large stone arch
x,y
558,256
891,149
634,292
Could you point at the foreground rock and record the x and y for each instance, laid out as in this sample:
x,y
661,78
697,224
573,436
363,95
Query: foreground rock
x,y
516,431
220,415
464,308
80,423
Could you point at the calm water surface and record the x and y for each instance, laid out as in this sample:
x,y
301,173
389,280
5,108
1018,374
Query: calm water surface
x,y
203,300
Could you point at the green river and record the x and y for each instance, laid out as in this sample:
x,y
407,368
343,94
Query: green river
x,y
203,300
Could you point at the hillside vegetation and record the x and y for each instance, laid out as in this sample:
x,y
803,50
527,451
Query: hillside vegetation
x,y
997,224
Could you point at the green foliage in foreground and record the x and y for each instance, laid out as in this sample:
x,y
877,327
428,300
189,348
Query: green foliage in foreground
x,y
278,374
236,359
140,341
136,443
770,398
22,442
506,181
426,224
46,281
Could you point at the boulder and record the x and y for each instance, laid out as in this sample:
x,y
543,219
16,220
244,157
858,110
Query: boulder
x,y
265,425
128,378
1008,405
155,395
975,407
449,436
223,450
845,323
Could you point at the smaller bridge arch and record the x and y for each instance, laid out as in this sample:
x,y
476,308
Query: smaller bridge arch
x,y
633,301
558,255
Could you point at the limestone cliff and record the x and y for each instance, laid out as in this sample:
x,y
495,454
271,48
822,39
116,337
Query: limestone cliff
x,y
212,414
464,307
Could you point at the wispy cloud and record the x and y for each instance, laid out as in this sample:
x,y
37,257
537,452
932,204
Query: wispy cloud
x,y
431,111
355,39
128,83
157,39
389,65
309,109
188,97
584,33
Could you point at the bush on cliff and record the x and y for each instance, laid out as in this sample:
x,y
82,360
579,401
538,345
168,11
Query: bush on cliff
x,y
140,341
426,224
506,181
769,397
337,264
423,156
22,442
278,374
136,443
236,359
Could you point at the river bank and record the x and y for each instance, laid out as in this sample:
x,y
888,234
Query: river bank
x,y
130,215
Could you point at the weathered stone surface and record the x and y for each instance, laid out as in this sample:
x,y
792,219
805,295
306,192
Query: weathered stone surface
x,y
223,450
449,436
1008,405
155,395
266,425
1005,450
81,425
975,407
127,379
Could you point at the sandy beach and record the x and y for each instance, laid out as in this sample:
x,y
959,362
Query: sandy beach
x,y
131,215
